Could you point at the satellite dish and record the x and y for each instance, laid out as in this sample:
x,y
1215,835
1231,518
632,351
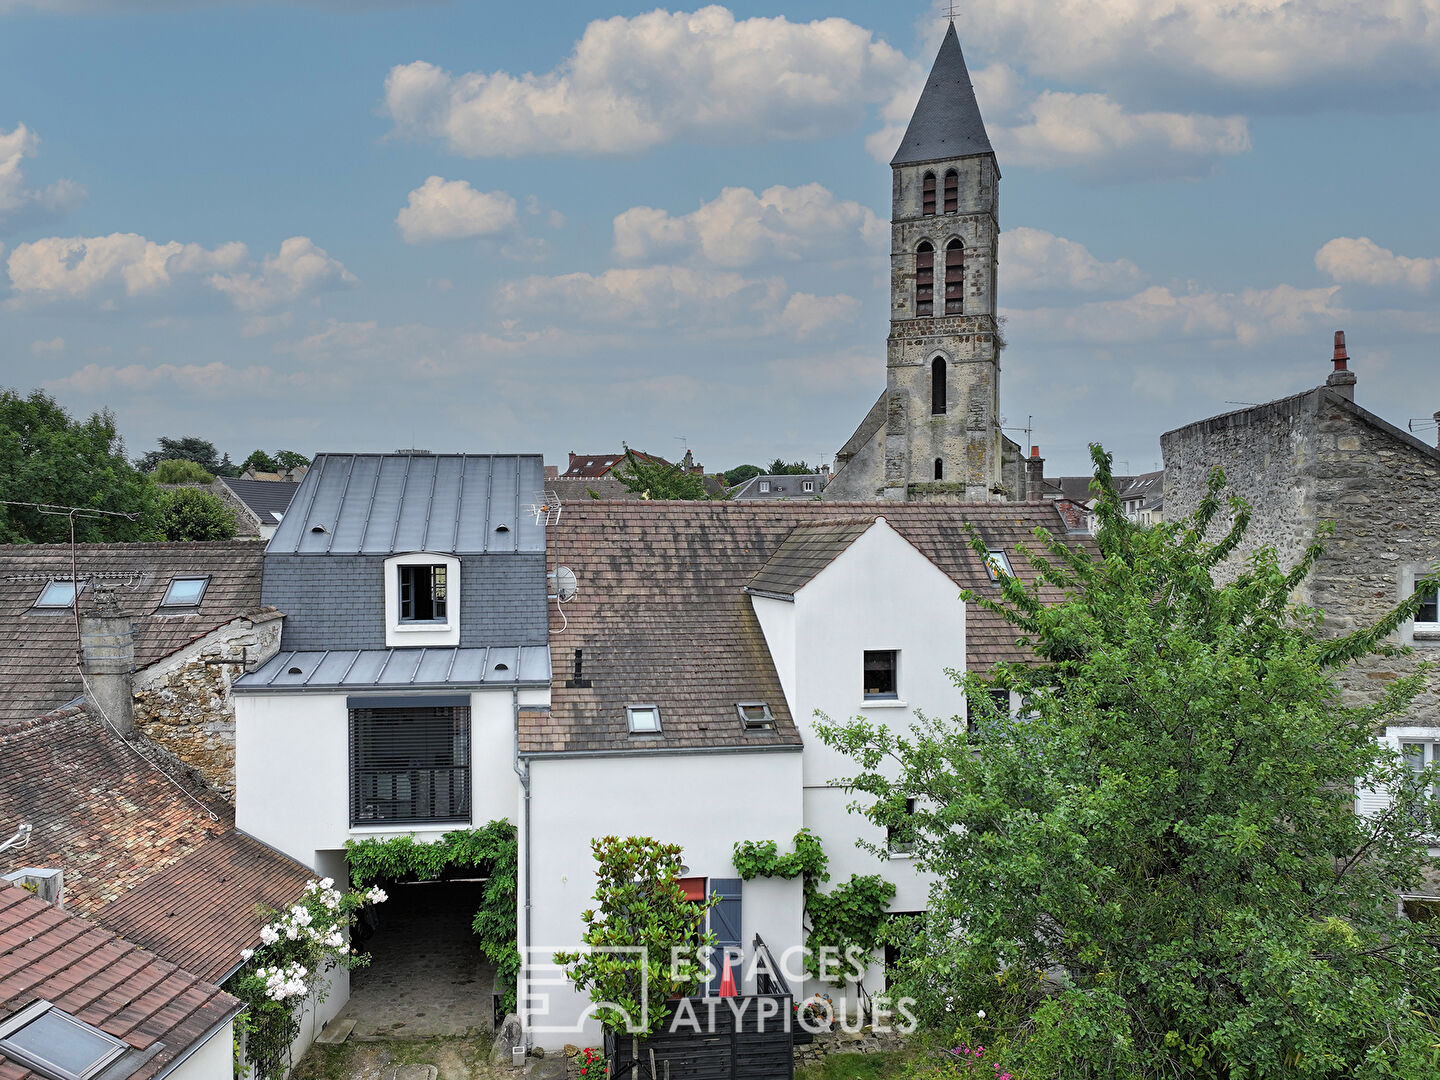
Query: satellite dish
x,y
566,586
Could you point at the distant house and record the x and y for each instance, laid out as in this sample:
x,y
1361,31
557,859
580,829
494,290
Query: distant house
x,y
782,486
593,466
263,502
76,1001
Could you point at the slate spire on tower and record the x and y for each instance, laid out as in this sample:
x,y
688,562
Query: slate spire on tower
x,y
947,120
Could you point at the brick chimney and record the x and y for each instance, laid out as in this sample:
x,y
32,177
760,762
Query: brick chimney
x,y
1342,379
1034,476
107,658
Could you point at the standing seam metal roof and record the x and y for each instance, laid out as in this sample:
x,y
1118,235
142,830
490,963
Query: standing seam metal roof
x,y
380,504
399,669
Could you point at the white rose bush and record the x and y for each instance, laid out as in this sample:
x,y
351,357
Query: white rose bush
x,y
286,971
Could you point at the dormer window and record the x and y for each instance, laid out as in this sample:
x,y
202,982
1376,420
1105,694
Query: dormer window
x,y
807,485
423,595
185,592
764,486
755,715
53,1043
57,594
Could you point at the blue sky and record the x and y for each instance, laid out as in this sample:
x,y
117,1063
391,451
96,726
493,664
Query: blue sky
x,y
490,226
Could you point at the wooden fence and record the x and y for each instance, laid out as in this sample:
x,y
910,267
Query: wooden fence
x,y
739,1038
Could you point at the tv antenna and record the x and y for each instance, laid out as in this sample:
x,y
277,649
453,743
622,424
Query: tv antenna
x,y
546,508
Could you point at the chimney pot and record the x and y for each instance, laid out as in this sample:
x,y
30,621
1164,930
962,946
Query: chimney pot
x,y
1342,379
1034,476
1340,356
1034,451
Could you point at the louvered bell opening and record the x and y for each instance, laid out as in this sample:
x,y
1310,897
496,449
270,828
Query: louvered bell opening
x,y
952,192
924,281
409,765
954,279
927,195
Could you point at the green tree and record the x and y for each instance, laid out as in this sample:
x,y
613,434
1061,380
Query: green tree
x,y
740,474
180,471
657,480
187,448
289,459
187,513
1157,870
47,457
781,467
637,931
260,461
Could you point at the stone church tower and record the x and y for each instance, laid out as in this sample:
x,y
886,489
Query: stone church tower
x,y
935,432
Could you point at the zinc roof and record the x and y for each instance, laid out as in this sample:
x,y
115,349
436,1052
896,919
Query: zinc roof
x,y
398,669
354,504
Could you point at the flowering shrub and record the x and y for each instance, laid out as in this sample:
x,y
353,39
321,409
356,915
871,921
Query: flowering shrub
x,y
969,1061
277,978
816,1013
593,1065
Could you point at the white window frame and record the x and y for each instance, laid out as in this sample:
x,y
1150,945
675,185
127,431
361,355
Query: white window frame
x,y
997,563
1415,632
807,486
893,700
764,487
400,634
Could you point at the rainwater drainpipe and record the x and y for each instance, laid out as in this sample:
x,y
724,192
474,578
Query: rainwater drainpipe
x,y
524,775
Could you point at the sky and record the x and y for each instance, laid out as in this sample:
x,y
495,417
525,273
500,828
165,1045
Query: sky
x,y
370,225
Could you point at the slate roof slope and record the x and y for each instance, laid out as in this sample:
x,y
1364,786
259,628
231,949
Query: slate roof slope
x,y
99,812
267,499
662,617
781,486
808,550
126,992
37,648
946,122
201,911
463,504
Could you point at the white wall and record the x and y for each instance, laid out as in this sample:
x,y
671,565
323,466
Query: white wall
x,y
292,770
214,1059
704,802
880,593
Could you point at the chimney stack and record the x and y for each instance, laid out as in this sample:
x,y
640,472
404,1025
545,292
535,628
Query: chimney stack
x,y
1034,476
1436,418
107,658
1342,379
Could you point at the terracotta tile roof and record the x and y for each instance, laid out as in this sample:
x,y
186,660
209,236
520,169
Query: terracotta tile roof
x,y
124,991
38,671
202,910
596,465
661,616
99,812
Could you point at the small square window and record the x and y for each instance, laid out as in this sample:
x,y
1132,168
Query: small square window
x,y
643,719
881,674
56,1044
423,595
1429,610
755,715
765,485
900,835
58,594
998,564
807,485
185,592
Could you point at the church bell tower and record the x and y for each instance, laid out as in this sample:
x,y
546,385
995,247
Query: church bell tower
x,y
935,433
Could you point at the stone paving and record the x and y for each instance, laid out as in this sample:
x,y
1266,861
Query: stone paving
x,y
427,977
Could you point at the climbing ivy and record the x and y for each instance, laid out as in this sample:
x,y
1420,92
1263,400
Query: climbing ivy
x,y
492,850
849,916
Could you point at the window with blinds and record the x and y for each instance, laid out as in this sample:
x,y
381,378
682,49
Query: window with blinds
x,y
409,764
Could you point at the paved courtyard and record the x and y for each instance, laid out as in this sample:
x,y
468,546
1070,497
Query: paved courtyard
x,y
427,977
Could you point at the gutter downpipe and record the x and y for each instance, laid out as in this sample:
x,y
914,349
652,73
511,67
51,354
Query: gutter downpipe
x,y
524,776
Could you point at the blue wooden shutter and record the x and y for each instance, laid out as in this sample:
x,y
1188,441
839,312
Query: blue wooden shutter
x,y
725,922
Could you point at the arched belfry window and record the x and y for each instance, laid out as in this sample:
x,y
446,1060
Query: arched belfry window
x,y
952,192
939,469
937,386
927,195
924,280
954,278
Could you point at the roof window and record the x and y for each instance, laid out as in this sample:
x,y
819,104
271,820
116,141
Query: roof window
x,y
58,594
998,564
56,1044
643,719
755,715
185,592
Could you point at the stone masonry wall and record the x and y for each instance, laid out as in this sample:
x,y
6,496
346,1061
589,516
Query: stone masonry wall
x,y
183,703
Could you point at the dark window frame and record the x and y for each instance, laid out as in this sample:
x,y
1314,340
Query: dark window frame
x,y
204,580
384,789
874,661
34,1013
1429,609
75,592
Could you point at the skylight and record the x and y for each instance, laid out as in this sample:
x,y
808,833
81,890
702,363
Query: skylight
x,y
643,719
57,594
998,565
185,591
755,715
56,1044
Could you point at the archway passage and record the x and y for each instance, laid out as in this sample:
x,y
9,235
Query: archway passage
x,y
427,977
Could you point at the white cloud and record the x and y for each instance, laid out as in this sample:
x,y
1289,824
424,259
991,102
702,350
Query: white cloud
x,y
1036,259
805,315
300,268
52,347
1298,55
213,380
443,209
1360,260
19,201
1158,313
58,268
739,228
1093,131
633,83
